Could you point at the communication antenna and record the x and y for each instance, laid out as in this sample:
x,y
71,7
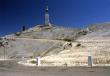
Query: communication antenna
x,y
47,20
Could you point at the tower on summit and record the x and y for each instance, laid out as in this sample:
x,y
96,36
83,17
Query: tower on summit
x,y
47,20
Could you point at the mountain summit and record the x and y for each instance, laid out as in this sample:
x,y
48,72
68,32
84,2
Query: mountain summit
x,y
59,45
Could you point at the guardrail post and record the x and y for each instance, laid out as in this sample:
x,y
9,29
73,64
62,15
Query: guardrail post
x,y
38,62
90,62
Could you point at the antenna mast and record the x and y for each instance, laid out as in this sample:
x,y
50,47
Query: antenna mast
x,y
47,20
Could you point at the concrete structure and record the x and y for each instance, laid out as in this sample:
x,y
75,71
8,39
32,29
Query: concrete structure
x,y
38,62
47,21
90,62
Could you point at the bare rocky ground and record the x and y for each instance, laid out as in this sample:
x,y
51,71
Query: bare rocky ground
x,y
11,68
36,40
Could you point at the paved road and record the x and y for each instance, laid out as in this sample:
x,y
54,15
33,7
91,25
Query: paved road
x,y
11,68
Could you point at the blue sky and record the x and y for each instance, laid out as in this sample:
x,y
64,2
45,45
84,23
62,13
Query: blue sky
x,y
70,13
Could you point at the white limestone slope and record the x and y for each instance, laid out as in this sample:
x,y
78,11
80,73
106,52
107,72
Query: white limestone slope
x,y
100,35
96,43
25,47
47,32
78,56
37,40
